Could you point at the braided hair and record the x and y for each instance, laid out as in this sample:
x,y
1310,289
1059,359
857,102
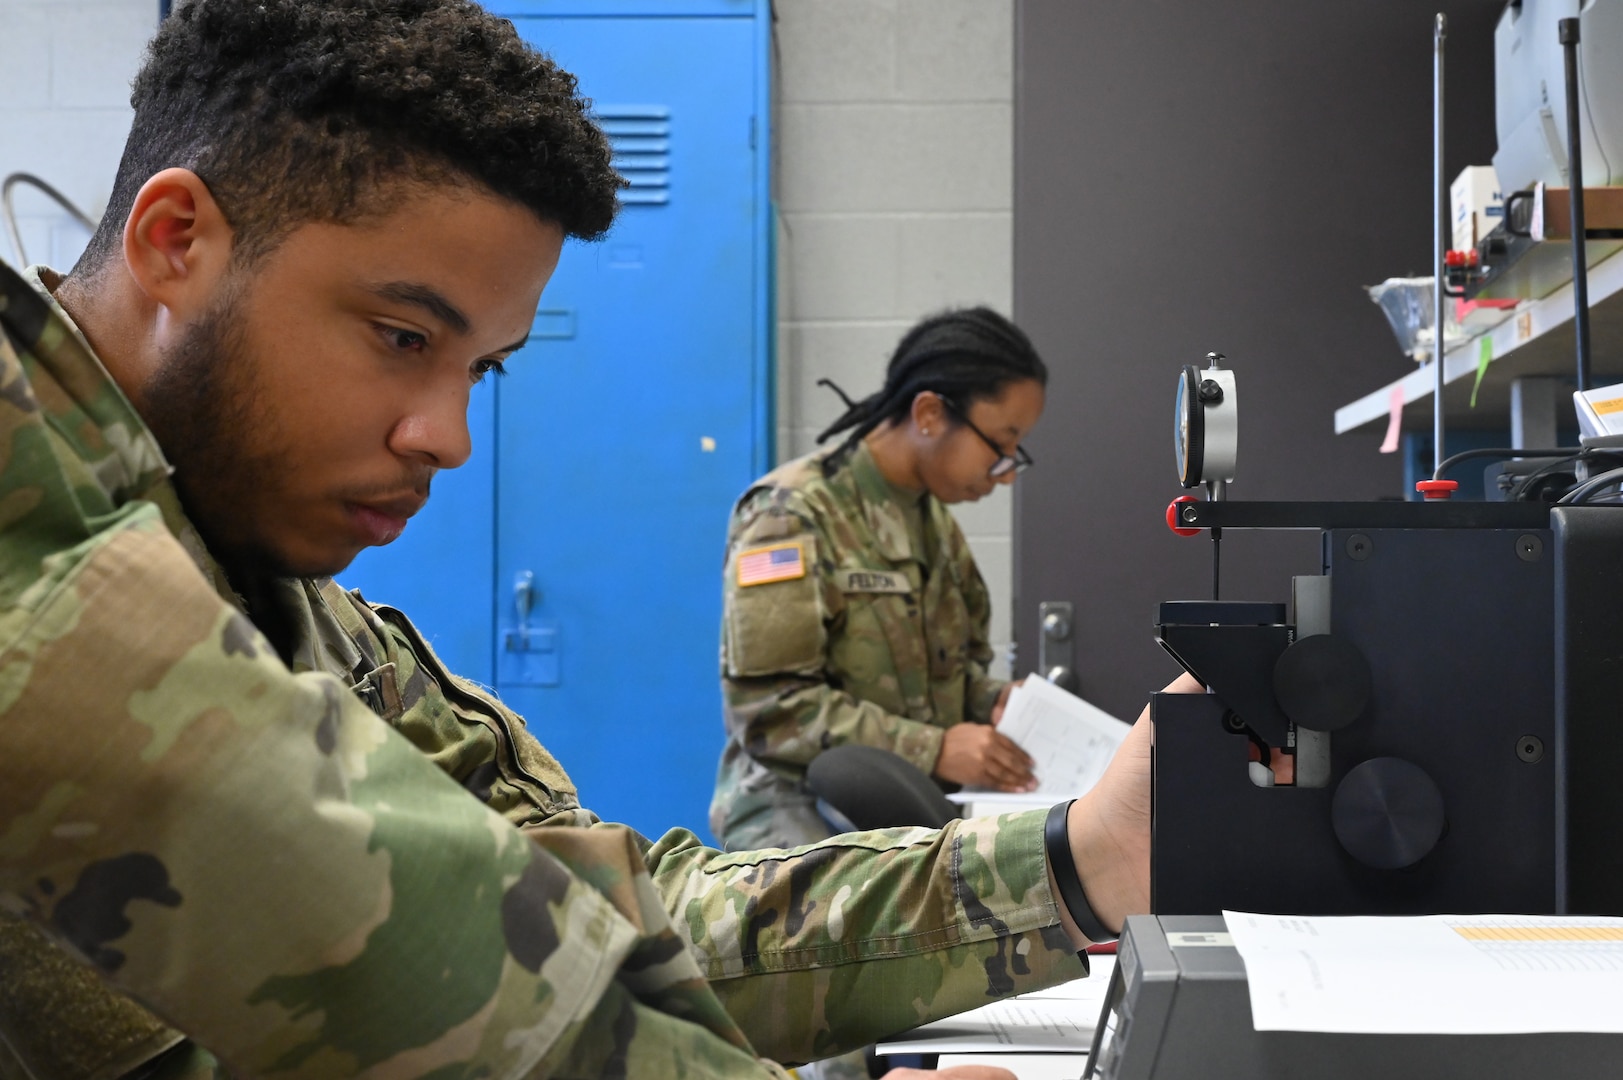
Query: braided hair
x,y
964,355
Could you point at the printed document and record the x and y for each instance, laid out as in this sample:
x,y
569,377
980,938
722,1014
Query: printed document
x,y
1059,1019
1432,974
1069,740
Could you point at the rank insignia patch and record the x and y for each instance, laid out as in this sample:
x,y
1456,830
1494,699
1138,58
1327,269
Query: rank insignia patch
x,y
781,562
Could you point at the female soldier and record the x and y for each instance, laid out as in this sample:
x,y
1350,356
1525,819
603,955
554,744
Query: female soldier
x,y
854,612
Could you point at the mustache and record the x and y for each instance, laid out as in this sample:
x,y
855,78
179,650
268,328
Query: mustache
x,y
416,481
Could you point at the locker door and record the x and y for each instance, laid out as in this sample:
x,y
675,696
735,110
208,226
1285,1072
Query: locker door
x,y
632,419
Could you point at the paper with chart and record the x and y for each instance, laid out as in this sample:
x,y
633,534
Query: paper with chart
x,y
1432,974
1058,1019
1070,740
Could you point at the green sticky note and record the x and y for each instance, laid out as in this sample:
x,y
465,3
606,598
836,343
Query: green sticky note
x,y
1484,357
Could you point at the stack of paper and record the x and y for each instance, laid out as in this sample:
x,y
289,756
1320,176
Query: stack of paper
x,y
1432,974
1070,742
1059,1019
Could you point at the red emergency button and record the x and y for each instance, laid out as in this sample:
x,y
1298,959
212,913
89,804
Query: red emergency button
x,y
1437,489
1172,516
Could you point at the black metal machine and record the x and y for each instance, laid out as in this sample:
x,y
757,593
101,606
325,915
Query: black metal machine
x,y
1431,725
1179,1006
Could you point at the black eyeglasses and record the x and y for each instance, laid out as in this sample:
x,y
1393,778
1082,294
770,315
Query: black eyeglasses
x,y
1005,464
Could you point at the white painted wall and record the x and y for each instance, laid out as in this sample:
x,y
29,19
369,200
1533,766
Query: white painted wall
x,y
894,135
65,71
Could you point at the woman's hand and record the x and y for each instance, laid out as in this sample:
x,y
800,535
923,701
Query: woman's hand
x,y
976,754
1002,701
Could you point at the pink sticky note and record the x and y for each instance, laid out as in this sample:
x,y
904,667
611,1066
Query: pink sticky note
x,y
1394,422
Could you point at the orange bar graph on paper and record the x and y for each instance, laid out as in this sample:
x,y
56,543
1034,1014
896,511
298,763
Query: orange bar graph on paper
x,y
1540,933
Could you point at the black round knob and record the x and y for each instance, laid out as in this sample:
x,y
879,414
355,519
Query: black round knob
x,y
1387,813
1211,392
1322,682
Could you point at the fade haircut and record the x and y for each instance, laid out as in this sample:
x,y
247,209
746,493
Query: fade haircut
x,y
304,111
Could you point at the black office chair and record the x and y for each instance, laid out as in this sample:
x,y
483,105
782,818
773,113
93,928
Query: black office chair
x,y
863,787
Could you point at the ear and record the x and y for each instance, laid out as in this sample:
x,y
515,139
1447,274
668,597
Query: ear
x,y
929,413
177,242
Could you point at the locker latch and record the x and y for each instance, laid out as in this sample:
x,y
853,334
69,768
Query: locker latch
x,y
530,651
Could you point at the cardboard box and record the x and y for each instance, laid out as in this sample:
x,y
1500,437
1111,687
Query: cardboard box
x,y
1477,205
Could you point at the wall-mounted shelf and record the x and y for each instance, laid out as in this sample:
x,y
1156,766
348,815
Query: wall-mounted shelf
x,y
1537,339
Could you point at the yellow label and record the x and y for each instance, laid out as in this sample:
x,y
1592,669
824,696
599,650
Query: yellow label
x,y
1611,405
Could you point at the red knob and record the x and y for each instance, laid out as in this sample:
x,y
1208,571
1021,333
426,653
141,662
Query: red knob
x,y
1437,489
1172,516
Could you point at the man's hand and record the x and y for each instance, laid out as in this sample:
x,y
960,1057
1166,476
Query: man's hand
x,y
1110,829
957,1072
977,754
1002,701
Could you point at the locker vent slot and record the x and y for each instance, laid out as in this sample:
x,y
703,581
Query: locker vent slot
x,y
640,141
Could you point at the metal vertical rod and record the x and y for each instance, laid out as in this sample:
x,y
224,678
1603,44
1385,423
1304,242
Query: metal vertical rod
x,y
1575,191
1439,245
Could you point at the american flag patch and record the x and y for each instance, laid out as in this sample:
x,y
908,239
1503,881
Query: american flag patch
x,y
782,562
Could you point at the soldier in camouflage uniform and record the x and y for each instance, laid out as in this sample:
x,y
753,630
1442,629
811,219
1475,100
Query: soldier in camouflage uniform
x,y
854,612
248,823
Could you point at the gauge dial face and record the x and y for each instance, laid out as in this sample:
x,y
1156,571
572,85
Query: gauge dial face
x,y
1188,434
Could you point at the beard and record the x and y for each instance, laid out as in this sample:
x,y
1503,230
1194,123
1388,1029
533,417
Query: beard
x,y
200,405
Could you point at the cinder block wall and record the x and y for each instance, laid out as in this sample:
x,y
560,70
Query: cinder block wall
x,y
65,70
894,134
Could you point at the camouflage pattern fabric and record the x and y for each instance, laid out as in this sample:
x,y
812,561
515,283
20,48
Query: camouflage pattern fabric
x,y
364,865
874,643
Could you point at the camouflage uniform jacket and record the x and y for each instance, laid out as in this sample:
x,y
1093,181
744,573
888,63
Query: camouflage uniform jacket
x,y
363,865
870,642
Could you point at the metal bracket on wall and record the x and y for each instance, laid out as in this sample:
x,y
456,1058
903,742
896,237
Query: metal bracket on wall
x,y
1056,655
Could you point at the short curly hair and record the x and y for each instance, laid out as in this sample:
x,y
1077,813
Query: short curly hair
x,y
301,111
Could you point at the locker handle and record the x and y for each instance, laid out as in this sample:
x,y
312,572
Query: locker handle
x,y
522,638
524,594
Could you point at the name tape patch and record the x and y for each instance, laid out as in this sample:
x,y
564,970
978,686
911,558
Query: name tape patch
x,y
763,565
874,581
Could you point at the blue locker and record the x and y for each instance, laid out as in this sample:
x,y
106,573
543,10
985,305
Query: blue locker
x,y
574,563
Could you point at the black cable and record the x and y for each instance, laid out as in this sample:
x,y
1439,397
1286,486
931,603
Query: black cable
x,y
1503,452
1521,487
1582,492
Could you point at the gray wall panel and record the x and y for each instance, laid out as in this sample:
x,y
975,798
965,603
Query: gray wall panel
x,y
1193,176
